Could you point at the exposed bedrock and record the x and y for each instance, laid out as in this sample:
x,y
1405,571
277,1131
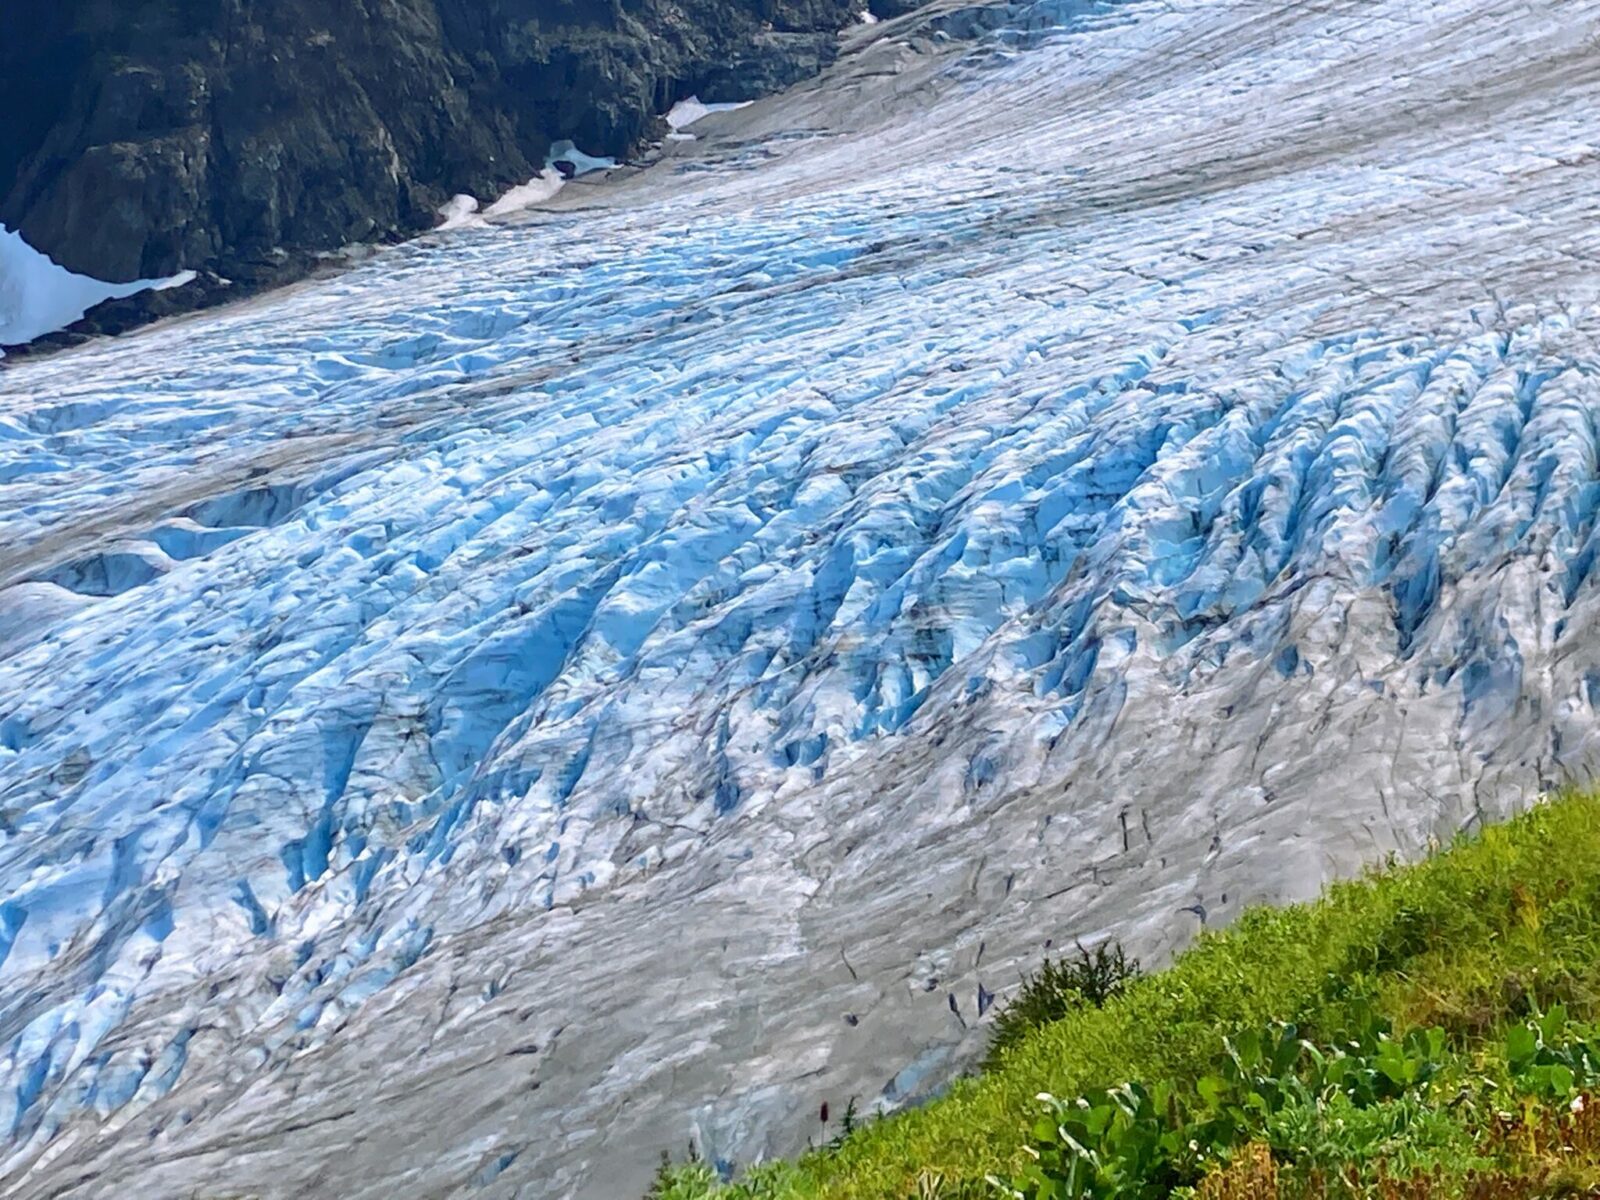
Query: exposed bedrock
x,y
242,138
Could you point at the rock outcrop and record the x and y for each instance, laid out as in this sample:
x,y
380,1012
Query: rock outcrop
x,y
244,138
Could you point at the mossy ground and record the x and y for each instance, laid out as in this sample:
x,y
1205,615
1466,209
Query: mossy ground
x,y
1478,938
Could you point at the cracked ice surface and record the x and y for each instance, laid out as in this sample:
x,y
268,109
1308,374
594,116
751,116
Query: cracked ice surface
x,y
571,686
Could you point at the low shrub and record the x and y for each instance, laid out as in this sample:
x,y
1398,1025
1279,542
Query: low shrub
x,y
1057,989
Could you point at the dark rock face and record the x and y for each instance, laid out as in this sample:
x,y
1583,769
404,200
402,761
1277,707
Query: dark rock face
x,y
243,137
770,62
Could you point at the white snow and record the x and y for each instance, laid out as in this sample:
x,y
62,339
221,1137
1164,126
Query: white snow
x,y
465,212
686,112
536,191
37,296
459,212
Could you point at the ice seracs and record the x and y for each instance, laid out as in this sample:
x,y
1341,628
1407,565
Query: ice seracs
x,y
576,686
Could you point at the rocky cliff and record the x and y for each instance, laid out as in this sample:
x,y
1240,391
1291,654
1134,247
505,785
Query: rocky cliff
x,y
242,138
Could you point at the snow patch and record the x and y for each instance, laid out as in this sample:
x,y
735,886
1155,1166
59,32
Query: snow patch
x,y
686,112
39,296
536,191
565,161
460,211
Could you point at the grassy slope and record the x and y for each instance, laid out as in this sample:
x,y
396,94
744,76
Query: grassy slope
x,y
1466,941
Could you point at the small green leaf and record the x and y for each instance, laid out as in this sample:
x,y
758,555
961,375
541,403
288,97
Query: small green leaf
x,y
1554,1023
1436,1044
1247,1048
1521,1045
1393,1064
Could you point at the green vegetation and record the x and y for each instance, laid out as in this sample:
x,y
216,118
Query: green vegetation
x,y
1060,988
1426,1032
1370,1111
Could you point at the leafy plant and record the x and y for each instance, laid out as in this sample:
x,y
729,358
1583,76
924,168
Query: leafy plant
x,y
1268,1087
1126,1144
1550,1059
691,1180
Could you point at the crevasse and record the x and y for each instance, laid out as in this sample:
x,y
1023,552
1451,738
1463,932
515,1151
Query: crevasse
x,y
635,673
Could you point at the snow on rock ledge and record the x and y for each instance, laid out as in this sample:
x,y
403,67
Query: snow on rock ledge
x,y
38,297
565,161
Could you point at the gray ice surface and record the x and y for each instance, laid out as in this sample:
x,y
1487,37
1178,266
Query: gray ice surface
x,y
632,674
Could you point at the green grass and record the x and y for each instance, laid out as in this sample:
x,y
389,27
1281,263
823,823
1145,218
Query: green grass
x,y
1478,937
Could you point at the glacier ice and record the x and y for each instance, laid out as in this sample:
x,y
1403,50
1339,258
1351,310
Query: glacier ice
x,y
641,670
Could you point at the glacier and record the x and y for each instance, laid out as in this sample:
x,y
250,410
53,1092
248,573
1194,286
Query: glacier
x,y
633,672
